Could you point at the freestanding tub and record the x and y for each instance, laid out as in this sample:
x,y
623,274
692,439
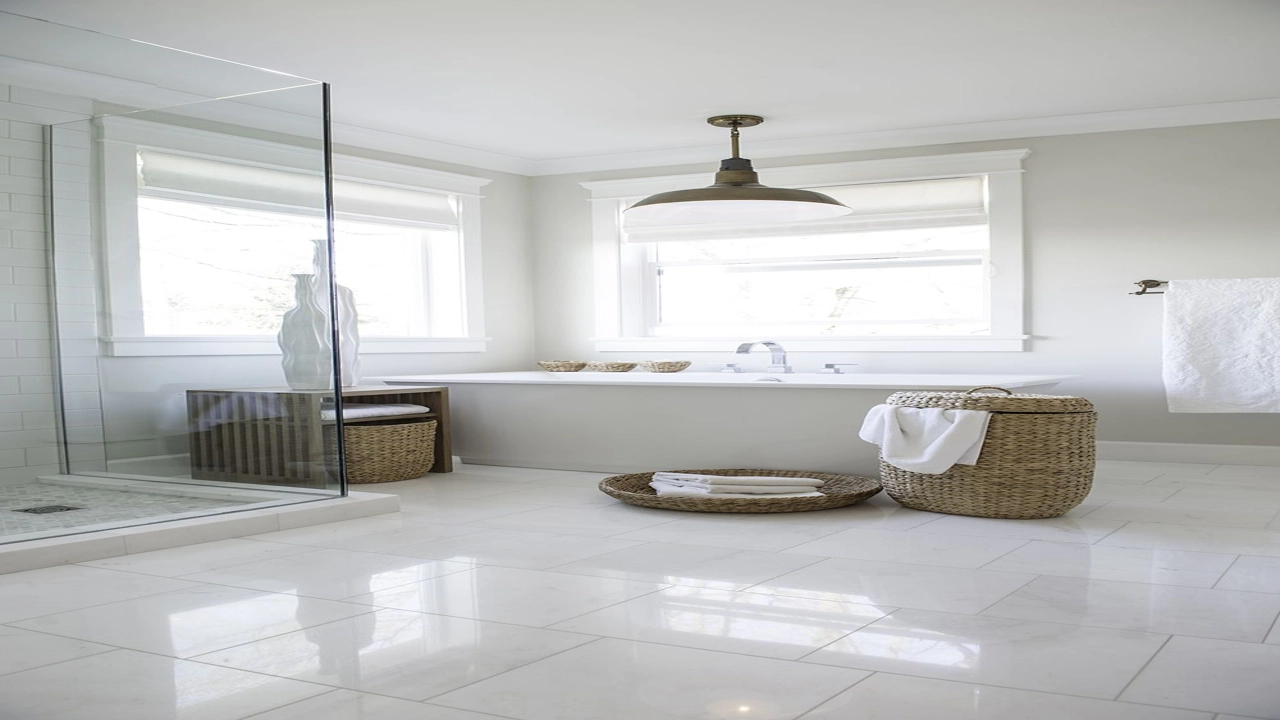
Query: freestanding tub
x,y
638,421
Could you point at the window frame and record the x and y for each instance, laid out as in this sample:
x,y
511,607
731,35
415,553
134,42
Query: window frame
x,y
624,295
122,333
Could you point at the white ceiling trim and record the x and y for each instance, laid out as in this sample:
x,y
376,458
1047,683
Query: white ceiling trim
x,y
1184,115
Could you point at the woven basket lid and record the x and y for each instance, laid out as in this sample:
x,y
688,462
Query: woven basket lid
x,y
992,399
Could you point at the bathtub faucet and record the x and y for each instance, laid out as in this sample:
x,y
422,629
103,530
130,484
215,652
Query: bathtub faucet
x,y
777,356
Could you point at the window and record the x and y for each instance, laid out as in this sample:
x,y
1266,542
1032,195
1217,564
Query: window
x,y
207,231
922,263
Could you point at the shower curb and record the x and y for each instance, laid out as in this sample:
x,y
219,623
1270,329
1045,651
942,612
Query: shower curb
x,y
35,554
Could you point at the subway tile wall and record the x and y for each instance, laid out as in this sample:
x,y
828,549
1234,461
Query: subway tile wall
x,y
27,420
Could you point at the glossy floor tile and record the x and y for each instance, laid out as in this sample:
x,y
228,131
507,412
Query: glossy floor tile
x,y
1198,538
351,705
408,655
738,622
1185,513
330,574
525,594
365,534
898,697
196,620
198,558
24,650
733,531
1213,675
70,587
922,587
1081,530
515,548
961,551
621,680
510,595
597,521
128,685
1254,574
695,565
1105,562
1052,657
559,495
1195,612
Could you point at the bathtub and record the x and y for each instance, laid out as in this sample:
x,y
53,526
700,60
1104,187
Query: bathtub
x,y
637,421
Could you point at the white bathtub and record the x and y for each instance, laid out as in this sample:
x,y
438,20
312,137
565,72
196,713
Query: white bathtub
x,y
636,421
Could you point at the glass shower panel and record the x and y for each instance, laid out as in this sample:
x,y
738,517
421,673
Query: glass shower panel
x,y
212,237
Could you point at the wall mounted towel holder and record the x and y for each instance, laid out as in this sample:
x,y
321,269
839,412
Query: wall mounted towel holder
x,y
1146,286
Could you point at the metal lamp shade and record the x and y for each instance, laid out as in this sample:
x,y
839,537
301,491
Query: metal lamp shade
x,y
747,204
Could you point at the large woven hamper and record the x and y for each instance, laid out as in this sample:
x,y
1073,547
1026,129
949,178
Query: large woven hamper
x,y
1037,460
385,452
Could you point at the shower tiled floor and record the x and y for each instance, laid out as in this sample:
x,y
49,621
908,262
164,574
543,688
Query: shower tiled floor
x,y
504,593
98,506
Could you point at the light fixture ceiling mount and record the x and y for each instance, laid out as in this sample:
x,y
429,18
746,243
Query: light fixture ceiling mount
x,y
737,195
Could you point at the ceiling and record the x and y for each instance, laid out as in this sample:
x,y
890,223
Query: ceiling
x,y
551,80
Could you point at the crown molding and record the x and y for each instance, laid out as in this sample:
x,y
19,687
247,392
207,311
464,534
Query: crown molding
x,y
1179,116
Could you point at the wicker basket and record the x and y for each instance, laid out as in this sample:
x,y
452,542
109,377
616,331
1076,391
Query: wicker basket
x,y
1037,460
665,366
561,365
837,491
385,452
610,366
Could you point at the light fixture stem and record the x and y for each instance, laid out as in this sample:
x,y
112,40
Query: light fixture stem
x,y
733,139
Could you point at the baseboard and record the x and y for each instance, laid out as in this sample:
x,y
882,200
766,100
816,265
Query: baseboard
x,y
1190,453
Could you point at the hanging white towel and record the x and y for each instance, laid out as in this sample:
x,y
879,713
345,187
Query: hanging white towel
x,y
668,490
674,477
1222,346
926,440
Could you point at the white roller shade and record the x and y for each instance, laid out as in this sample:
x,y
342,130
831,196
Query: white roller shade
x,y
878,206
205,177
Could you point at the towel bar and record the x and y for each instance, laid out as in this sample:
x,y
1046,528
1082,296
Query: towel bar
x,y
1147,286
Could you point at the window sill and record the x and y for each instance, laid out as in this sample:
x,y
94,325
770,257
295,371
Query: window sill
x,y
259,345
1015,343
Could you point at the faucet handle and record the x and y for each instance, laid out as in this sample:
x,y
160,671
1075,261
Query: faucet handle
x,y
834,368
731,368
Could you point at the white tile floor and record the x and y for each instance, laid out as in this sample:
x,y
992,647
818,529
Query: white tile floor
x,y
524,594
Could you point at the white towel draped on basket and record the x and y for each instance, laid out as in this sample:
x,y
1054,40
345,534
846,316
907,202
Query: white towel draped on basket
x,y
1222,345
926,440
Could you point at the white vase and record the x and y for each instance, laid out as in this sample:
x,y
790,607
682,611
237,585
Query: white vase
x,y
305,339
348,320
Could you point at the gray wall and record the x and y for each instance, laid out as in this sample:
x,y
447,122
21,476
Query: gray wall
x,y
1102,211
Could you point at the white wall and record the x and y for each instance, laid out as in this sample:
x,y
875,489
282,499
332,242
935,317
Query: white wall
x,y
1102,211
27,436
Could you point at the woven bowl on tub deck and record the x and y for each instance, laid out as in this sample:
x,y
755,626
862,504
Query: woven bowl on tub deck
x,y
665,366
561,365
837,491
610,366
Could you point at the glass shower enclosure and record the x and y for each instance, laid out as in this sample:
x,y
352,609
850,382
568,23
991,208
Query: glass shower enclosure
x,y
191,346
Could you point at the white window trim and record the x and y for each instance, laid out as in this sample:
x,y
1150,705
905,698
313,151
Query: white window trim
x,y
618,293
122,331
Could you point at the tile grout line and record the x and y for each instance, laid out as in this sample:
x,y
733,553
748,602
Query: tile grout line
x,y
1145,665
854,684
1223,576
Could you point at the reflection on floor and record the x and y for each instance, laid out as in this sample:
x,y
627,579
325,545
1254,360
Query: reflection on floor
x,y
95,506
527,594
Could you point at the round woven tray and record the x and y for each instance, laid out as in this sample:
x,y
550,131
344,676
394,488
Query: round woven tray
x,y
837,491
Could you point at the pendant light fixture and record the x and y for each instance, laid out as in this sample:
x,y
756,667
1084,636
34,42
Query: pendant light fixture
x,y
737,196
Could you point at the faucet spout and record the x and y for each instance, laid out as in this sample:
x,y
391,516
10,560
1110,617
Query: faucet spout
x,y
777,355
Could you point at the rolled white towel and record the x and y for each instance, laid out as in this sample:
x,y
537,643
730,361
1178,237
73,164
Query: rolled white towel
x,y
668,490
735,480
742,489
